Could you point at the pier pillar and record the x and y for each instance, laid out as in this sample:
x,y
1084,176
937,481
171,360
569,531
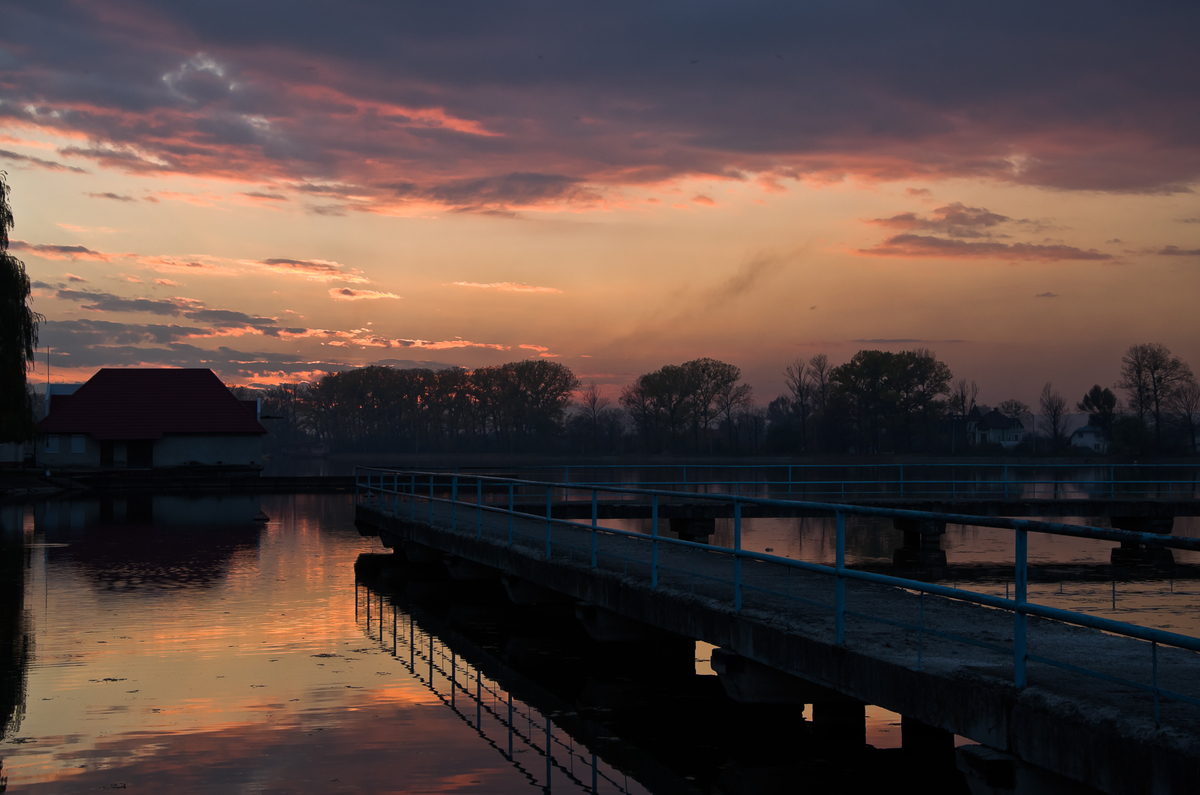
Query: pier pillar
x,y
525,593
747,681
698,530
464,570
606,626
842,721
419,553
1131,553
922,544
928,742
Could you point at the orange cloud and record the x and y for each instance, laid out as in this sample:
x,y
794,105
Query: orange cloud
x,y
348,294
507,287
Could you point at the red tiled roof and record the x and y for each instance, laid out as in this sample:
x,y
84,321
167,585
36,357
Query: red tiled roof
x,y
147,403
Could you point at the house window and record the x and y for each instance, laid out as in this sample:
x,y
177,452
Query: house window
x,y
52,444
78,443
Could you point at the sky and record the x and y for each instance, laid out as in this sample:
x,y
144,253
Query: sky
x,y
277,190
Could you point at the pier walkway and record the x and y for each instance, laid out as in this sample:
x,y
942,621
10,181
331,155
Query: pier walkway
x,y
1108,704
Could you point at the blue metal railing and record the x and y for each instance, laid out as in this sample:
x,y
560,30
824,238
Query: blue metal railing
x,y
377,486
881,481
438,658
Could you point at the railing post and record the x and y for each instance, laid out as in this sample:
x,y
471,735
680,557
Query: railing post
x,y
479,506
1112,481
396,494
549,497
595,532
737,557
454,500
902,480
654,542
412,497
1022,580
789,491
566,483
1006,481
921,631
839,598
510,513
431,499
1154,665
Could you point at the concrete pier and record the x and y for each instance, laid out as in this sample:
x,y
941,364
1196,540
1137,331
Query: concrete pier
x,y
1086,730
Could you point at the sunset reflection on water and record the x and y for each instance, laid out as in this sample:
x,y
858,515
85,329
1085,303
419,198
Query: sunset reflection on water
x,y
212,681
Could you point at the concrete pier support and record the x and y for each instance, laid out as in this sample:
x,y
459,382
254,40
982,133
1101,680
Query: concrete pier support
x,y
419,553
1134,554
922,544
464,570
842,721
605,626
749,682
693,529
928,742
525,593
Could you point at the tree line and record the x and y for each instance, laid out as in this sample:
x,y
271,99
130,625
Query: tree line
x,y
877,402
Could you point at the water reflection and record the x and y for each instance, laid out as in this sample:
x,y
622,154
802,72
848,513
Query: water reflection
x,y
617,716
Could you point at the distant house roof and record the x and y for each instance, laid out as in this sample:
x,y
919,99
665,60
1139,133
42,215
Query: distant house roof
x,y
1092,429
147,403
995,421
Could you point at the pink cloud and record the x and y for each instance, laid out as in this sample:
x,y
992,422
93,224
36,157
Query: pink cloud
x,y
50,251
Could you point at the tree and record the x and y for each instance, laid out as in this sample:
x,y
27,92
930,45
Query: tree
x,y
1101,405
799,377
591,405
18,334
707,378
962,396
1151,375
1054,408
1185,405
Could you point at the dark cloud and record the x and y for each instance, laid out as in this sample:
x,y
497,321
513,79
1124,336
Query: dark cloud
x,y
1175,251
955,219
255,194
1060,96
1046,295
49,165
170,307
901,341
113,196
936,247
52,251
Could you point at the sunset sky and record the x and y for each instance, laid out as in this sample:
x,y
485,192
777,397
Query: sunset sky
x,y
280,189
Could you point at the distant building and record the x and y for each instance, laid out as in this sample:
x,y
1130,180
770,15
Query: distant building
x,y
150,418
1089,437
994,428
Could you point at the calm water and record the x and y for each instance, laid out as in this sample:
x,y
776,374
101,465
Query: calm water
x,y
173,644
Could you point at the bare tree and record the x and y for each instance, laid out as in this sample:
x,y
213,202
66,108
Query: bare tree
x,y
732,399
1185,404
1151,375
962,396
591,403
799,377
1054,408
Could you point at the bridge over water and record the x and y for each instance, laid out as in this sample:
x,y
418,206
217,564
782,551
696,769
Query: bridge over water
x,y
1106,703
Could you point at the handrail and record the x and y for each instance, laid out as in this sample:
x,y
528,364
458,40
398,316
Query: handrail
x,y
1002,522
1020,607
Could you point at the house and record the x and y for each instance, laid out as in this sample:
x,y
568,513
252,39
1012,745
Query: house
x,y
150,418
994,428
1089,437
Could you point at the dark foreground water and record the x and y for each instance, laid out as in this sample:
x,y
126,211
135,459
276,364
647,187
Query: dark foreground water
x,y
173,645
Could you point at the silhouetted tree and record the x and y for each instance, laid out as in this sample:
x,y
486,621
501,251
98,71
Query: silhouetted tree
x,y
1151,374
962,396
799,378
591,405
1102,406
1054,409
1185,406
18,334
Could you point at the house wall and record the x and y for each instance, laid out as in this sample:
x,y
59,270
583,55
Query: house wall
x,y
64,457
179,450
168,451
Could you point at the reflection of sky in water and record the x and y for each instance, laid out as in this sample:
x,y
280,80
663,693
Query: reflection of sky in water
x,y
213,686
